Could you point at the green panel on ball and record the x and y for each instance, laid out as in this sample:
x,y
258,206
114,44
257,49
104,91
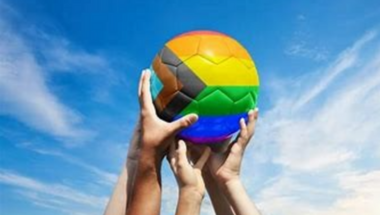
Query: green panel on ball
x,y
222,100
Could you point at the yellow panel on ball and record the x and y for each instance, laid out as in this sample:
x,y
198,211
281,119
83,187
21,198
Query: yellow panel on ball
x,y
231,72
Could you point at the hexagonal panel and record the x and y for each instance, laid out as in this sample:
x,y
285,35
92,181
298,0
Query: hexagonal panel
x,y
216,103
178,102
190,84
243,105
193,107
238,51
169,58
214,49
235,93
185,46
168,78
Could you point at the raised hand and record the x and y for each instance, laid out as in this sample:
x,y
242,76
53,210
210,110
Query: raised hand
x,y
189,178
225,166
157,134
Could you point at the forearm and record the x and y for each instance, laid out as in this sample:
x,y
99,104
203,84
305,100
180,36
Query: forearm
x,y
146,192
117,202
239,199
189,203
219,201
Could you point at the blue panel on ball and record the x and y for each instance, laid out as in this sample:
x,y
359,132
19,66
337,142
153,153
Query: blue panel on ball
x,y
155,84
213,127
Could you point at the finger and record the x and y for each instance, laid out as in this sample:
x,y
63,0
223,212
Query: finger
x,y
183,122
203,159
140,83
243,128
181,153
252,118
146,97
171,155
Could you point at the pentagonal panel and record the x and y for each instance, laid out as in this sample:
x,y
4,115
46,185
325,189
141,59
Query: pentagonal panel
x,y
216,103
214,49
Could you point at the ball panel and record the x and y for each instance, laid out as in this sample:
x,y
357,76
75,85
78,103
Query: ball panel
x,y
236,94
211,127
237,49
216,103
156,85
213,48
169,58
184,47
244,104
168,77
192,85
177,103
221,74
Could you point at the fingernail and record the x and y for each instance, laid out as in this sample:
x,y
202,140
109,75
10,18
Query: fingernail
x,y
194,118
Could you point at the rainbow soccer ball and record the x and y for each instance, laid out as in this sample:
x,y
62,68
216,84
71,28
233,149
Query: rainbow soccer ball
x,y
207,73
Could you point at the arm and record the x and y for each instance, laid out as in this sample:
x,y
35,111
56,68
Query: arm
x,y
117,204
146,192
239,199
225,167
156,135
189,179
219,201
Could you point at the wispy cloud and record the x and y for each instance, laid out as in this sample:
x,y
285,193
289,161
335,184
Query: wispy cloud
x,y
301,48
59,193
318,133
301,44
24,92
105,177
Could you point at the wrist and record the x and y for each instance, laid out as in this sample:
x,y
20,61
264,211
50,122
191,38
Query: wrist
x,y
149,161
224,177
229,183
191,194
150,154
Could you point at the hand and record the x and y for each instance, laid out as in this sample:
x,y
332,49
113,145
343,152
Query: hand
x,y
189,177
226,166
156,133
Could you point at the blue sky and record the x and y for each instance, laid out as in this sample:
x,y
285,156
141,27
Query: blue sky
x,y
68,79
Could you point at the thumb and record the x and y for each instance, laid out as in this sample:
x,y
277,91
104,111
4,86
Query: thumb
x,y
183,122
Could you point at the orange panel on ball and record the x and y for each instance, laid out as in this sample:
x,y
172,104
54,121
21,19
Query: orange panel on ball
x,y
184,47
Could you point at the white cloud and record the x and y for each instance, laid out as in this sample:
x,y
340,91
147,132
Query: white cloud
x,y
24,92
59,192
303,49
318,132
106,178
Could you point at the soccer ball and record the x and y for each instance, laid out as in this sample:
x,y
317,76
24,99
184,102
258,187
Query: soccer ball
x,y
207,73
